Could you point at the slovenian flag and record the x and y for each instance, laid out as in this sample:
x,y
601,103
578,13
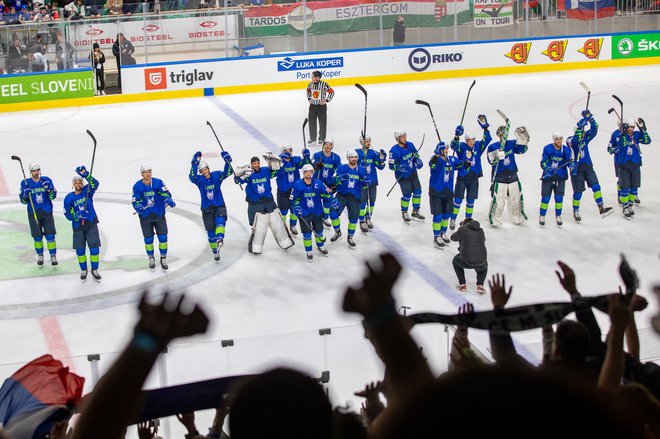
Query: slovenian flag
x,y
40,383
587,9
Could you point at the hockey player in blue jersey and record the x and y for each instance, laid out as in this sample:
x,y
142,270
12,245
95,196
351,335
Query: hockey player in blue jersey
x,y
371,161
507,189
467,181
349,180
214,210
262,210
555,162
79,209
150,196
325,163
308,197
38,193
611,147
584,167
405,161
628,158
286,177
441,191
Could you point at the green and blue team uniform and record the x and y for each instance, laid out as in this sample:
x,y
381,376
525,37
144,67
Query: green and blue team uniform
x,y
628,159
467,181
555,164
310,200
149,202
327,172
372,162
584,167
214,210
441,191
259,192
79,209
42,192
405,162
286,177
349,182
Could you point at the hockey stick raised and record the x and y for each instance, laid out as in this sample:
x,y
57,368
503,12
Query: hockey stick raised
x,y
34,212
223,150
616,98
303,133
364,128
91,170
427,105
502,143
397,180
584,86
466,101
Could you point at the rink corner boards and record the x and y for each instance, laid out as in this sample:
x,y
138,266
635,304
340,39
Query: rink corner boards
x,y
289,71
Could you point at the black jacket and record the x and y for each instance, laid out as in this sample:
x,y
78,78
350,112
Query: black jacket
x,y
399,34
471,243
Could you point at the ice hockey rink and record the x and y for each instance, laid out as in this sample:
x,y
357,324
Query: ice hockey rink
x,y
273,305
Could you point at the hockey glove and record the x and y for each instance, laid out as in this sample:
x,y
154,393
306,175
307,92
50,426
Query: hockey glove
x,y
197,157
46,185
418,162
458,132
573,168
82,171
306,154
467,163
318,166
522,136
26,193
641,124
383,154
586,114
334,204
439,148
285,156
483,121
297,211
582,123
170,202
225,156
366,183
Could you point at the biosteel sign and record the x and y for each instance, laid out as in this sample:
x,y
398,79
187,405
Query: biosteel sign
x,y
46,86
159,31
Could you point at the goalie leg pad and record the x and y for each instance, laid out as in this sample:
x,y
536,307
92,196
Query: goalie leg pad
x,y
280,230
497,204
258,236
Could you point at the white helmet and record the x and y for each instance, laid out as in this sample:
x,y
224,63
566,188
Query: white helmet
x,y
351,153
202,165
364,139
35,167
330,141
398,134
557,135
630,123
75,178
286,147
144,168
307,167
469,136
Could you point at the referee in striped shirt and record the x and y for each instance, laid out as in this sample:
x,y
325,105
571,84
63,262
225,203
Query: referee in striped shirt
x,y
319,93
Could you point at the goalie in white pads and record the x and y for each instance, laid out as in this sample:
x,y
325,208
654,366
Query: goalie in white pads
x,y
506,188
262,210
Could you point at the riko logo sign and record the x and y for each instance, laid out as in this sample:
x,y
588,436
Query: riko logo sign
x,y
421,59
155,79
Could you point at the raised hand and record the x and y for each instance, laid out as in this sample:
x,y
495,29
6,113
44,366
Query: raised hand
x,y
197,157
458,132
568,280
225,156
374,296
82,171
483,121
498,294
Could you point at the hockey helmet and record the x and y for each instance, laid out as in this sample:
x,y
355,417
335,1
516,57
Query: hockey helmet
x,y
629,123
330,141
35,167
363,140
351,153
286,148
469,136
202,165
557,135
307,167
145,168
75,178
398,134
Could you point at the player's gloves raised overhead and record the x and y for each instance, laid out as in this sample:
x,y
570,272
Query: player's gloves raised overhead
x,y
440,148
483,121
586,114
582,123
225,156
197,157
170,202
306,154
522,136
82,171
285,156
458,132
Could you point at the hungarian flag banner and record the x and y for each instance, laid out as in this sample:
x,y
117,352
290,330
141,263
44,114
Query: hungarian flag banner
x,y
587,9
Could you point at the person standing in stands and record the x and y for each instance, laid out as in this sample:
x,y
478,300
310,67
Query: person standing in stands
x,y
98,59
399,32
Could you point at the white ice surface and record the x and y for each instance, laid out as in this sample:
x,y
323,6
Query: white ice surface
x,y
273,305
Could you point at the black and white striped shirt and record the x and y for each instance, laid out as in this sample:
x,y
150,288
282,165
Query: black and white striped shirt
x,y
319,91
